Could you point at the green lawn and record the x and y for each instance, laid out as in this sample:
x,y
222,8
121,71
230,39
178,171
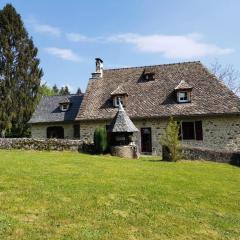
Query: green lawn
x,y
55,195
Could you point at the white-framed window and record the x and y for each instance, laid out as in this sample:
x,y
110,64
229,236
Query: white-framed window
x,y
183,97
117,99
64,107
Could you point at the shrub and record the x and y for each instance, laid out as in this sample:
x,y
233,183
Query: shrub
x,y
171,142
100,140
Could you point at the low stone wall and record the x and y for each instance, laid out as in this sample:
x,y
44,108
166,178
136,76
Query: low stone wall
x,y
41,144
196,153
127,151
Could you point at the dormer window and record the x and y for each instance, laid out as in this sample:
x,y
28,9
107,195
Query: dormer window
x,y
148,74
183,92
119,94
149,77
64,104
64,107
183,96
118,99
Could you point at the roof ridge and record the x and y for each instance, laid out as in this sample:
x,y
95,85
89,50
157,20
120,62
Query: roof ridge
x,y
145,66
68,95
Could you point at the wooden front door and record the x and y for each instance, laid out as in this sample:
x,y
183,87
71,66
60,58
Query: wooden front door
x,y
146,140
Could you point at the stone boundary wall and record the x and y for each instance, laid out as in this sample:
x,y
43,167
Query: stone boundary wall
x,y
223,156
41,144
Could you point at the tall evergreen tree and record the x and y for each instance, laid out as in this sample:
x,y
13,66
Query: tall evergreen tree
x,y
79,91
64,91
20,73
55,89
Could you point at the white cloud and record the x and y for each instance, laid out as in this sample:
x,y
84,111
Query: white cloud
x,y
66,54
76,37
43,28
171,46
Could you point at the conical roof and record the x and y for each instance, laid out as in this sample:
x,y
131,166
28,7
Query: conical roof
x,y
121,122
183,85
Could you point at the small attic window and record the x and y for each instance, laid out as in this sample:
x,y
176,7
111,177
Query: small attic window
x,y
183,96
64,107
64,104
148,74
116,100
183,92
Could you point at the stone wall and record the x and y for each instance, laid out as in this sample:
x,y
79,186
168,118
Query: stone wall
x,y
40,144
218,132
40,130
224,156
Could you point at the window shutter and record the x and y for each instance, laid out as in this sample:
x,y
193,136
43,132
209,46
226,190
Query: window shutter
x,y
198,130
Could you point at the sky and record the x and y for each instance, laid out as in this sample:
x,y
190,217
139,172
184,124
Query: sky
x,y
71,34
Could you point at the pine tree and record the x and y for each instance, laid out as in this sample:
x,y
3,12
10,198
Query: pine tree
x,y
171,140
79,91
64,91
20,74
55,89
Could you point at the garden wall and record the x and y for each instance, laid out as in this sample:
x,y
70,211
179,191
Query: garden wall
x,y
224,156
40,144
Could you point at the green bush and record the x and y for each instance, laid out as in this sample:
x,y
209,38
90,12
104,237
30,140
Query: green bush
x,y
171,140
100,140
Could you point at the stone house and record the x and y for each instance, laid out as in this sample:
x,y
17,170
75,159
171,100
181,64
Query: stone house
x,y
208,112
55,116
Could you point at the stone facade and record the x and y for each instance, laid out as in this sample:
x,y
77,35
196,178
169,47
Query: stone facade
x,y
40,130
87,129
218,132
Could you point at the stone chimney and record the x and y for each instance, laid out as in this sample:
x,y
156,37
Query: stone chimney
x,y
99,68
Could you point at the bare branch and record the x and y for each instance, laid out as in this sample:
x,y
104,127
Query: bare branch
x,y
227,74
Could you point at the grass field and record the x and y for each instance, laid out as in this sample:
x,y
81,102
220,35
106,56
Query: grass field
x,y
55,195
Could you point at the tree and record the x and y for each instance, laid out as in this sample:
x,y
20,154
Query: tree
x,y
100,140
64,91
228,75
55,89
20,74
171,140
79,91
46,90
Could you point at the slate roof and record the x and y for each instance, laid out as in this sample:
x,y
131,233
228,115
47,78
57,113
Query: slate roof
x,y
121,122
48,109
183,85
157,98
